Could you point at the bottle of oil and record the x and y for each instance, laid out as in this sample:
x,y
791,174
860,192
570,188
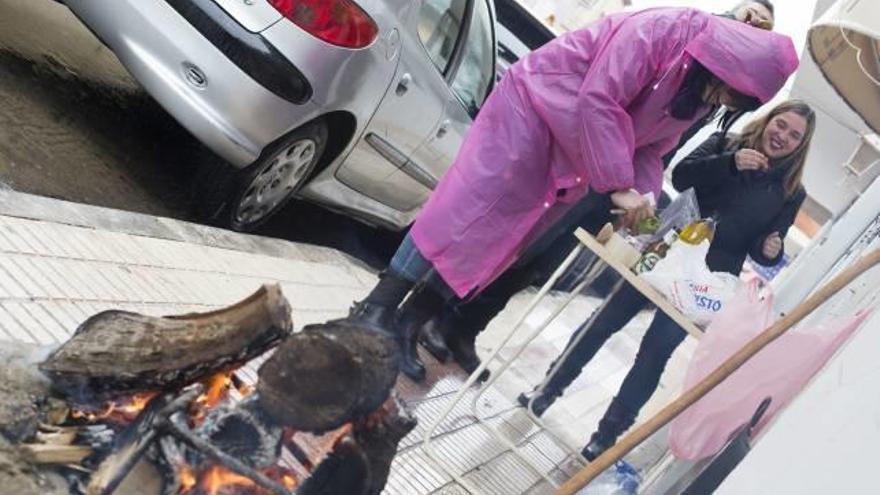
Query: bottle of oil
x,y
699,231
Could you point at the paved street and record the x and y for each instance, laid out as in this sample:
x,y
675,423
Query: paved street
x,y
75,126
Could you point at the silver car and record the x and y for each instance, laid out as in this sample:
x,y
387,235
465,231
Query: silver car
x,y
360,106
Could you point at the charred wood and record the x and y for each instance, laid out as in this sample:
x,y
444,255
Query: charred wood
x,y
118,353
327,375
134,441
244,431
176,426
379,437
345,470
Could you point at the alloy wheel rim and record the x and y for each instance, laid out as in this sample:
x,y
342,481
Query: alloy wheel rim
x,y
281,176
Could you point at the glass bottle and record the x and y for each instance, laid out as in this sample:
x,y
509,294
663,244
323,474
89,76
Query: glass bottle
x,y
699,231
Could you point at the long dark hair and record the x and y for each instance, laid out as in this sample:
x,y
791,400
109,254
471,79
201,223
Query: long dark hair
x,y
795,161
689,97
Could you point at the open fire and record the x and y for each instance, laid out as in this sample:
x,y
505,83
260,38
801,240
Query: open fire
x,y
204,476
320,419
208,478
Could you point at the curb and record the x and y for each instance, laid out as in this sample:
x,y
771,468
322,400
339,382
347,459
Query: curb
x,y
34,207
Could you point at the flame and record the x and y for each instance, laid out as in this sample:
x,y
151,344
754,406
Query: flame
x,y
216,390
187,477
218,477
216,387
288,481
122,411
217,480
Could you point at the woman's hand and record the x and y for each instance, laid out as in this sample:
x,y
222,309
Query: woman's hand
x,y
635,206
748,159
772,246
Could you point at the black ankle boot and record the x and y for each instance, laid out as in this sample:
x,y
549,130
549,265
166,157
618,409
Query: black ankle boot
x,y
596,447
542,401
373,316
617,419
433,338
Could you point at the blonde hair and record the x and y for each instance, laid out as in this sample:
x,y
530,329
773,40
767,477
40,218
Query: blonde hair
x,y
794,161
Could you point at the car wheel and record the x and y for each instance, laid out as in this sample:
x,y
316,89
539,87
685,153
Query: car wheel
x,y
252,195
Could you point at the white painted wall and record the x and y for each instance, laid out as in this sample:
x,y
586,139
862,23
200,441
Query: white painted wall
x,y
825,442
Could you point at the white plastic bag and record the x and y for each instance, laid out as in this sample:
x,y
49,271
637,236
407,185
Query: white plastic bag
x,y
683,277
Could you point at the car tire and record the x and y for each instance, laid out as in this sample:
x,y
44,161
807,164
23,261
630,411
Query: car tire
x,y
242,200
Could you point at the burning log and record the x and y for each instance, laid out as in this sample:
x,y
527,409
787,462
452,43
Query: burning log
x,y
118,353
327,375
345,470
379,436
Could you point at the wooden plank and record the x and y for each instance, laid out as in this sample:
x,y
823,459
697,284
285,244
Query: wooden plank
x,y
651,293
57,454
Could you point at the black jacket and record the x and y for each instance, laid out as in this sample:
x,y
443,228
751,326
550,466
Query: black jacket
x,y
750,205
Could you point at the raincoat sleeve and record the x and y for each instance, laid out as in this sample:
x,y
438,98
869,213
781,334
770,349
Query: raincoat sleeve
x,y
648,169
622,69
780,224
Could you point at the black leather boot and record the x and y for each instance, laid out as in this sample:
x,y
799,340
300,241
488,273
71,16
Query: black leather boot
x,y
617,419
374,316
433,338
542,400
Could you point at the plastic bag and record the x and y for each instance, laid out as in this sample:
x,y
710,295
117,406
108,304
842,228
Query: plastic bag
x,y
619,479
683,277
779,371
682,211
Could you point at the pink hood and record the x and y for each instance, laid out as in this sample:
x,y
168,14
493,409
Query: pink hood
x,y
736,53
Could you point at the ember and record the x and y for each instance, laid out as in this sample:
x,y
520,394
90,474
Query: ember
x,y
217,388
121,412
218,480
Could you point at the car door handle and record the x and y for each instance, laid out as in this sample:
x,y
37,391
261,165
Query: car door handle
x,y
444,128
403,84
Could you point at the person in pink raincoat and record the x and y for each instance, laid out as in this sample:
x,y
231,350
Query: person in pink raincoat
x,y
594,109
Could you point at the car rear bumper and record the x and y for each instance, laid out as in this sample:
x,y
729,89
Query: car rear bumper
x,y
205,70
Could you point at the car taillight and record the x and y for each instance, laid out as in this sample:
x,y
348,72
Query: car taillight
x,y
340,22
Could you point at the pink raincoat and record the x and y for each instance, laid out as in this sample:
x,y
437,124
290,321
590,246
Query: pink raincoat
x,y
589,110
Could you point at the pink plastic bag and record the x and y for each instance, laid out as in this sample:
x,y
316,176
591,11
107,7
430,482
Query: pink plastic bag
x,y
779,371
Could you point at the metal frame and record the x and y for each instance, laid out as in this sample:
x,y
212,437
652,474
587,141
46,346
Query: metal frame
x,y
597,267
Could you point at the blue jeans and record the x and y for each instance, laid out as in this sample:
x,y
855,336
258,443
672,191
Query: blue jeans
x,y
661,339
408,263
